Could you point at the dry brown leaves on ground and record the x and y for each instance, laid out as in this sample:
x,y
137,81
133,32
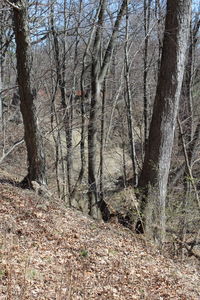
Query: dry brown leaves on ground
x,y
50,252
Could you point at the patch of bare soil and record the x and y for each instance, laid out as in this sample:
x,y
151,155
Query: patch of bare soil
x,y
50,252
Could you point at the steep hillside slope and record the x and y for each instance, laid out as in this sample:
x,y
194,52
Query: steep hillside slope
x,y
50,252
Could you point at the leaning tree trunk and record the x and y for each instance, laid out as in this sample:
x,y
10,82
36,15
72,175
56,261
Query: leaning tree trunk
x,y
32,135
155,171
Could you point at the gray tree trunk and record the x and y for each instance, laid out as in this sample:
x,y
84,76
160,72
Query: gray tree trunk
x,y
1,101
32,135
147,6
98,73
67,112
129,105
155,171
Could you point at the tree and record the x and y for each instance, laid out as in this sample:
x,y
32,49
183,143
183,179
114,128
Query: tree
x,y
98,74
154,176
129,104
147,6
61,78
32,135
6,35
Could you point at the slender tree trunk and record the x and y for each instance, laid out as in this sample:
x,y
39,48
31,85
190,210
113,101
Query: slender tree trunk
x,y
56,136
102,204
61,77
2,56
102,145
186,92
56,132
93,193
147,5
92,140
67,108
192,151
98,73
32,135
129,106
158,14
124,163
155,171
191,135
186,130
82,108
189,183
1,97
83,125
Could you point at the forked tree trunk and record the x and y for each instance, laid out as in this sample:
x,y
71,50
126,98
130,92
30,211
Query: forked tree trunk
x,y
32,135
154,175
98,73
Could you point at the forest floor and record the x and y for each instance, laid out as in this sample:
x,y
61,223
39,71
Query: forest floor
x,y
48,251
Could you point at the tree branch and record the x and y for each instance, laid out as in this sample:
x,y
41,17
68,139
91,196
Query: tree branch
x,y
111,41
13,5
11,149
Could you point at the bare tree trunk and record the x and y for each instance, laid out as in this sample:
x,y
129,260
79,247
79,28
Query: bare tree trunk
x,y
56,137
186,114
82,108
101,165
158,14
189,184
32,135
102,144
92,126
147,5
98,73
92,140
82,141
5,40
67,109
1,65
186,130
1,98
55,126
192,155
155,171
61,77
129,107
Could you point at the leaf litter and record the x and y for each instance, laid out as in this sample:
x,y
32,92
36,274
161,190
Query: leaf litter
x,y
51,252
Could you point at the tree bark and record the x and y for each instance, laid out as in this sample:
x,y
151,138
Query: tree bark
x,y
155,171
32,135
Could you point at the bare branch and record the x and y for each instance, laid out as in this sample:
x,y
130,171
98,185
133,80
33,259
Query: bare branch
x,y
12,4
11,149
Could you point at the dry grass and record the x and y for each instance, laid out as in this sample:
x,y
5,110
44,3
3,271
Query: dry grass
x,y
50,252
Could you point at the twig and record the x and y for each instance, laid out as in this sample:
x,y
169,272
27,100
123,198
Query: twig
x,y
187,247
